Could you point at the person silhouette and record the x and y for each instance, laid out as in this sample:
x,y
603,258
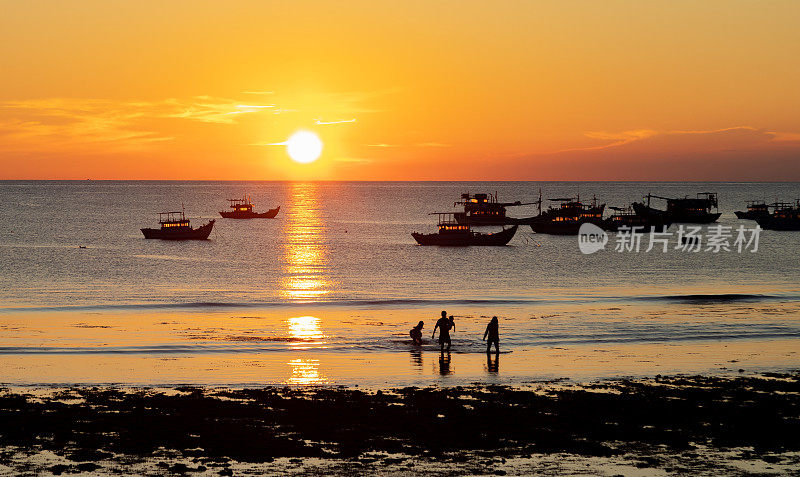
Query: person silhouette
x,y
452,323
493,333
416,333
444,325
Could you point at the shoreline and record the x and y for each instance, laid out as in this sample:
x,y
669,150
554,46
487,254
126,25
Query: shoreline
x,y
669,424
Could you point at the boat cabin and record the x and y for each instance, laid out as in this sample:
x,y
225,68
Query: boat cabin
x,y
757,206
241,205
172,220
452,223
572,209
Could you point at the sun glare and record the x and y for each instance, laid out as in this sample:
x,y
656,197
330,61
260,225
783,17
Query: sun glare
x,y
304,147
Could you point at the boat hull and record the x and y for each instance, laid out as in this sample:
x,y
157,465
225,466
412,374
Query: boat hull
x,y
771,223
477,220
270,214
466,239
647,224
557,228
751,215
200,233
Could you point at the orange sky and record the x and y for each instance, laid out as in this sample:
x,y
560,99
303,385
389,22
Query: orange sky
x,y
594,90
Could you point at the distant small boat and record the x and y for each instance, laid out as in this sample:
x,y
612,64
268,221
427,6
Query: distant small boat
x,y
567,218
175,226
785,217
755,210
484,209
690,210
626,217
456,232
243,209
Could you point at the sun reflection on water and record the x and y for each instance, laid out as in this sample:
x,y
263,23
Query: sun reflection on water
x,y
304,329
305,252
305,372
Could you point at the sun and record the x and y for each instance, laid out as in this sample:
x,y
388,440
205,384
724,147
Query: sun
x,y
304,147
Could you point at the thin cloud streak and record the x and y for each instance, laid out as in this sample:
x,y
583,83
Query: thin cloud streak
x,y
322,123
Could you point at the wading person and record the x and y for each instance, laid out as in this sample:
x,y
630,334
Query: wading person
x,y
493,333
416,333
443,324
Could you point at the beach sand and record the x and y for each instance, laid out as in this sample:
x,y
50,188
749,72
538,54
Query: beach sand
x,y
662,425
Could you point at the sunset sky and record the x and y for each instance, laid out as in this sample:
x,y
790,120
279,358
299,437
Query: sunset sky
x,y
428,90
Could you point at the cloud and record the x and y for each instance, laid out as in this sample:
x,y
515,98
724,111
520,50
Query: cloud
x,y
355,160
736,134
321,122
419,144
40,124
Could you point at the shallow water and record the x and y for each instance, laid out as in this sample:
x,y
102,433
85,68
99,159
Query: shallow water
x,y
326,292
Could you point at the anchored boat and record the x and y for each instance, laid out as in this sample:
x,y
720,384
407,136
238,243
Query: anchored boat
x,y
175,226
627,217
484,209
455,231
756,209
567,218
243,209
691,210
785,217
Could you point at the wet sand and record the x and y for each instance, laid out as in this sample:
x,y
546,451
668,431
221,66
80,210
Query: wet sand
x,y
661,425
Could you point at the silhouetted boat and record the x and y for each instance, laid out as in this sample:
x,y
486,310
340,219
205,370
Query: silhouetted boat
x,y
755,210
785,217
175,226
627,217
567,218
243,209
484,209
455,232
686,210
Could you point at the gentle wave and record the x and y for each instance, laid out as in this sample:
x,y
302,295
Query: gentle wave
x,y
395,345
420,302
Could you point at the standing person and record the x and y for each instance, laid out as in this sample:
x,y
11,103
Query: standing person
x,y
493,333
443,324
416,333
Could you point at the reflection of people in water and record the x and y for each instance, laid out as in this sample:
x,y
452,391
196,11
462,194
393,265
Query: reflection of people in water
x,y
444,363
444,325
493,333
492,362
416,358
416,333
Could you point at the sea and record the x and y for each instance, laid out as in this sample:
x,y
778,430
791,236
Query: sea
x,y
325,293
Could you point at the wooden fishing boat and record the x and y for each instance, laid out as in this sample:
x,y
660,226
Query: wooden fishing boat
x,y
485,209
175,226
691,210
627,217
567,218
243,209
456,232
785,217
756,209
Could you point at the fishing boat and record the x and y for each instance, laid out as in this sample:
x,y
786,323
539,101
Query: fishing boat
x,y
175,226
243,209
627,217
485,209
456,231
567,217
691,210
756,209
785,217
